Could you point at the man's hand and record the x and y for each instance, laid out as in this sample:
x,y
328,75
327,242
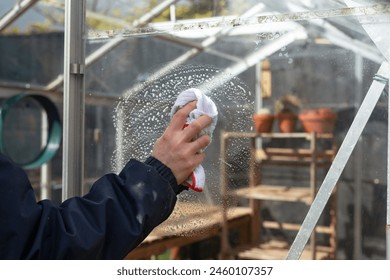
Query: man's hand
x,y
176,147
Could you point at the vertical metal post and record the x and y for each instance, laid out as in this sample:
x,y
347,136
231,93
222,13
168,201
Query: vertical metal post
x,y
254,204
258,98
172,12
73,115
225,246
388,174
258,93
313,188
358,165
120,160
98,138
45,171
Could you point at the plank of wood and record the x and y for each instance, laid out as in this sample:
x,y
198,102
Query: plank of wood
x,y
294,155
275,193
295,227
195,218
277,250
232,134
189,223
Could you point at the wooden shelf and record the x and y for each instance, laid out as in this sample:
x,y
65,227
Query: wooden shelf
x,y
294,227
278,250
310,150
275,135
189,223
275,193
196,219
295,155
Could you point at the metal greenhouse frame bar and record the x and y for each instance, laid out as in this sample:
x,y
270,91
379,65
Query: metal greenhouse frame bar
x,y
97,54
15,13
73,78
74,92
337,167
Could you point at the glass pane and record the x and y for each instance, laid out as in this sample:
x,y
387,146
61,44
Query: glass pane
x,y
248,57
22,131
28,63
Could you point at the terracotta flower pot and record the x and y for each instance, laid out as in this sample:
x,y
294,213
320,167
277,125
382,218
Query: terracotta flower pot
x,y
287,121
263,122
320,120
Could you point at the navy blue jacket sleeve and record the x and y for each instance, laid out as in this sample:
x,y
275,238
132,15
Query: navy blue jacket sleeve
x,y
107,223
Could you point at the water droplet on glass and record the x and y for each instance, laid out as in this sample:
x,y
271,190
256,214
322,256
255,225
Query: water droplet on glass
x,y
143,116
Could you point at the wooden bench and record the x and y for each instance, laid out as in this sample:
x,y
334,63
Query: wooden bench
x,y
190,223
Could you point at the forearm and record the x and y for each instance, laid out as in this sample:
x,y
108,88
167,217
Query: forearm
x,y
120,211
113,218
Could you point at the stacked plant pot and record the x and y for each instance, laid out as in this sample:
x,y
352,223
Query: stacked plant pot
x,y
321,120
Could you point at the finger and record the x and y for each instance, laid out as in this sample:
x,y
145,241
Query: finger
x,y
197,126
199,158
199,144
180,117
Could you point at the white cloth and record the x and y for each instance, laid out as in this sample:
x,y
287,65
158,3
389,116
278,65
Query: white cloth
x,y
204,106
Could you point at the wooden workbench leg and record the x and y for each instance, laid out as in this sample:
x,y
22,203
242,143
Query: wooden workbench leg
x,y
255,205
225,245
175,253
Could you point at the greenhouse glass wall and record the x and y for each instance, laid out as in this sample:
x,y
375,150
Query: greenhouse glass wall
x,y
88,85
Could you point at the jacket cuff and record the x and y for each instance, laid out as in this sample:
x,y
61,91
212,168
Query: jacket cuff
x,y
165,172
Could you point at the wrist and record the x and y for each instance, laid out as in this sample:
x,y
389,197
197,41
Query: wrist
x,y
166,173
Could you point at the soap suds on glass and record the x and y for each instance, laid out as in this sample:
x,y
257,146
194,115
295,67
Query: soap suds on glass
x,y
142,116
